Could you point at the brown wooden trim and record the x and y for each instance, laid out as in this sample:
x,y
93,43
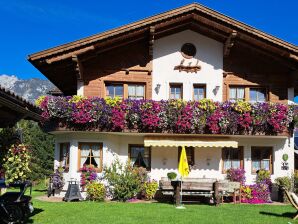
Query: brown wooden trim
x,y
197,85
241,148
98,170
140,145
125,90
176,85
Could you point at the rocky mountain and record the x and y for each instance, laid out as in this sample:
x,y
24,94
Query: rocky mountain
x,y
29,89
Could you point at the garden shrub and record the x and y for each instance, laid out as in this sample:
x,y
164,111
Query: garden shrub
x,y
150,189
124,180
16,164
95,191
284,182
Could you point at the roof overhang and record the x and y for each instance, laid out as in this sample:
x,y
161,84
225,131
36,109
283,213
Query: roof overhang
x,y
14,108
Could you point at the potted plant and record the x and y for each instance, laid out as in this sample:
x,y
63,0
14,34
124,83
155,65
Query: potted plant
x,y
172,176
284,184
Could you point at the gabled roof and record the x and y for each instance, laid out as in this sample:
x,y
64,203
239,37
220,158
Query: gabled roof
x,y
62,65
151,21
14,108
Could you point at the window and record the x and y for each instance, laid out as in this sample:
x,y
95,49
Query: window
x,y
175,91
190,154
90,154
188,50
237,93
257,95
114,90
261,158
232,158
64,156
199,92
136,91
140,156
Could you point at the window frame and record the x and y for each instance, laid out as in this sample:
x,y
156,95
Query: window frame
x,y
175,85
247,89
237,87
241,155
100,144
192,154
125,87
198,86
261,88
114,84
61,144
260,161
135,84
140,146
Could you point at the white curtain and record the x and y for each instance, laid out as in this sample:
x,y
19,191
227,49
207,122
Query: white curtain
x,y
131,90
232,93
240,93
85,150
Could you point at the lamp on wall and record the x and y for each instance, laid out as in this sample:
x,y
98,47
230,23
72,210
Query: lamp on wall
x,y
157,88
208,161
164,161
216,89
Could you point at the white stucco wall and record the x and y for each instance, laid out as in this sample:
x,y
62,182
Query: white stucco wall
x,y
163,159
166,55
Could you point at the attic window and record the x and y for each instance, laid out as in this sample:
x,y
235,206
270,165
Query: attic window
x,y
188,50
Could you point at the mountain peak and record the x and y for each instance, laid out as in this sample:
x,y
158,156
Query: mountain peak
x,y
29,89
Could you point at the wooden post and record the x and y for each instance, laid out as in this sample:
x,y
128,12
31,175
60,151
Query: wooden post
x,y
216,193
176,185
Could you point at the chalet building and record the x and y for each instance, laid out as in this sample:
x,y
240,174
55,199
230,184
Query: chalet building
x,y
189,53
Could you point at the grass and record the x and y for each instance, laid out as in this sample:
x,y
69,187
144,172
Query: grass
x,y
114,212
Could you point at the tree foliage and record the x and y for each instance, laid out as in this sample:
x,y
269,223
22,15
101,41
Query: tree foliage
x,y
16,164
40,145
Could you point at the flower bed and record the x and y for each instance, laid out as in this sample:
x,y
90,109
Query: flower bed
x,y
171,116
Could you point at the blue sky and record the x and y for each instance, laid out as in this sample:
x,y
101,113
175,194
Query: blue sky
x,y
28,26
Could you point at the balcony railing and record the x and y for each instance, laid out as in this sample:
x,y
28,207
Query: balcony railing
x,y
170,116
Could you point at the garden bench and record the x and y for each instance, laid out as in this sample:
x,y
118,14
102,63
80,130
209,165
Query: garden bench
x,y
190,187
207,187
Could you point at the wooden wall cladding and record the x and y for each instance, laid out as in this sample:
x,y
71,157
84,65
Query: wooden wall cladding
x,y
246,67
128,64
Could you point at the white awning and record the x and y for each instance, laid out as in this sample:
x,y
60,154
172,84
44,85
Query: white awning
x,y
170,141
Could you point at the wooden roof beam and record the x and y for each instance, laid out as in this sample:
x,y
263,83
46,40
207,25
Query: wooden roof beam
x,y
229,43
70,54
151,40
78,67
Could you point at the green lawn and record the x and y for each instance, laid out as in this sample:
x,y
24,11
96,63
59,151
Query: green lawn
x,y
90,212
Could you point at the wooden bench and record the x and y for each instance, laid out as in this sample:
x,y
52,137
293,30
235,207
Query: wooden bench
x,y
190,187
207,187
